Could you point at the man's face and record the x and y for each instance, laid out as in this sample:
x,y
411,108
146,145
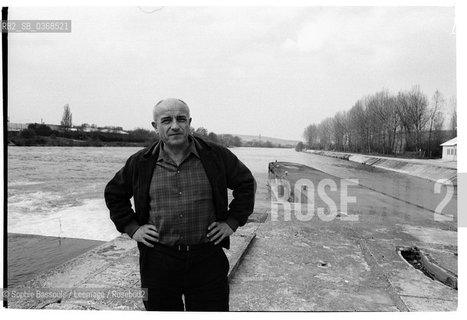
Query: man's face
x,y
172,122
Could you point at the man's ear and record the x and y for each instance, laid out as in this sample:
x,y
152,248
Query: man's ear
x,y
189,122
154,125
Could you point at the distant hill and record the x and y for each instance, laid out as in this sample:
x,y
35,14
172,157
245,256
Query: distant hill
x,y
264,139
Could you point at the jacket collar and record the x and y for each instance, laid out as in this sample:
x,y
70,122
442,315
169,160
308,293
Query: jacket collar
x,y
153,150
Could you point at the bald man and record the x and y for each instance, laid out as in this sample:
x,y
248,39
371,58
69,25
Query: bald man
x,y
182,218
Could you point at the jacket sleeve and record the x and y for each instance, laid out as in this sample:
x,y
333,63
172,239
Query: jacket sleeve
x,y
117,194
243,184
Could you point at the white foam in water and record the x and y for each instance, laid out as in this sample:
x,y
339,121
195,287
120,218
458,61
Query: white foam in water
x,y
23,183
39,201
89,221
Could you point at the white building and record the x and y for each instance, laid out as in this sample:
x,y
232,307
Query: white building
x,y
17,126
450,150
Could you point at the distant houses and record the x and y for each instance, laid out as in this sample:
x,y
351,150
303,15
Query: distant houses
x,y
93,128
450,150
55,127
16,127
112,131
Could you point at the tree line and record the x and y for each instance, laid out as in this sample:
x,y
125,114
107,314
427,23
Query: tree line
x,y
227,140
386,123
92,135
41,134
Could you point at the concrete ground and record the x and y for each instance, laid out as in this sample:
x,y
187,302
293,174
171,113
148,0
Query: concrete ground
x,y
302,264
413,190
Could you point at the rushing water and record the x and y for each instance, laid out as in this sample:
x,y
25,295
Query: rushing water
x,y
55,191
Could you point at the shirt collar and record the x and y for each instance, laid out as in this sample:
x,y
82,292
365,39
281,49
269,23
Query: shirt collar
x,y
163,156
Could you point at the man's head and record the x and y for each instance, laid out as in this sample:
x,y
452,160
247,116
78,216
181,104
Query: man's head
x,y
172,122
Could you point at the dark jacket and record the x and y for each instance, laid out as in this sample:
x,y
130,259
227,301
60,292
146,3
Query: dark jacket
x,y
222,167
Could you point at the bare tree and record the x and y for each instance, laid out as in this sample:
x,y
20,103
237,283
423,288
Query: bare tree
x,y
339,128
418,113
359,124
66,118
434,117
438,136
402,102
453,124
326,133
379,123
392,123
386,120
311,136
412,111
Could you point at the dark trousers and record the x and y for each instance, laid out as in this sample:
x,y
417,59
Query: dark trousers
x,y
199,275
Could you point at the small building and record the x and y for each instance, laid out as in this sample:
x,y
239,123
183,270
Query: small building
x,y
16,127
55,127
450,150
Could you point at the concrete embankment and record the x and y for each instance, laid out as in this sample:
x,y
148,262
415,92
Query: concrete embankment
x,y
434,170
312,258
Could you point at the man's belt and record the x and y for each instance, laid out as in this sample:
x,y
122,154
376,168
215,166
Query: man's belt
x,y
188,247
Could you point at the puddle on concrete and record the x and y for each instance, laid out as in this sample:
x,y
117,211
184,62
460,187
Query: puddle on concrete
x,y
423,262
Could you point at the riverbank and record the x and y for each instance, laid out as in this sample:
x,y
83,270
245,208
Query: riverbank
x,y
55,141
433,170
43,141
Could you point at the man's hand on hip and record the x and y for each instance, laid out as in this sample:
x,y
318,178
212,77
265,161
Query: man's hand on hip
x,y
218,231
146,233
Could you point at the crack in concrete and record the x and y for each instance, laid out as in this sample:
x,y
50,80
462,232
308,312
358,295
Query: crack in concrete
x,y
371,260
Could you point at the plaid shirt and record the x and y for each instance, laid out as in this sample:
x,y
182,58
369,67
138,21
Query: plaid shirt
x,y
181,205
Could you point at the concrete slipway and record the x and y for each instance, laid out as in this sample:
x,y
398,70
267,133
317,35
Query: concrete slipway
x,y
351,261
296,262
433,170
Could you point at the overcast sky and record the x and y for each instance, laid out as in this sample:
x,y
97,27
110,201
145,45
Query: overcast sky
x,y
250,70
